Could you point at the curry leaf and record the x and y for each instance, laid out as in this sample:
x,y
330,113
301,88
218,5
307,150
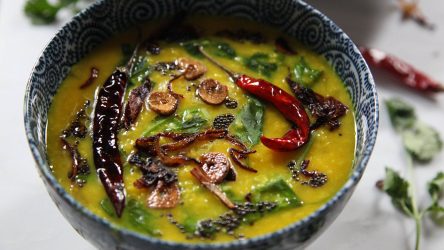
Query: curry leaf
x,y
190,121
261,63
304,74
277,191
192,48
422,142
436,190
402,115
140,218
222,49
248,125
398,190
107,206
45,11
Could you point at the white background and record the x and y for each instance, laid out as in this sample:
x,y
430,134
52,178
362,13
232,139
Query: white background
x,y
29,219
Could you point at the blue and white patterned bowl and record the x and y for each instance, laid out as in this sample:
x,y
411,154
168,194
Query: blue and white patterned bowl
x,y
108,17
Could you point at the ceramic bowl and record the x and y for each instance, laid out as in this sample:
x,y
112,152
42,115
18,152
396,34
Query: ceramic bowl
x,y
107,17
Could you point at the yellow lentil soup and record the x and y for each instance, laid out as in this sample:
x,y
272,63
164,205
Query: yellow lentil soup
x,y
221,122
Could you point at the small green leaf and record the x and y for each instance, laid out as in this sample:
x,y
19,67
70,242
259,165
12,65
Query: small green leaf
x,y
193,120
249,123
277,191
107,206
140,218
261,63
436,190
44,11
304,74
402,115
222,49
398,190
422,142
190,121
192,48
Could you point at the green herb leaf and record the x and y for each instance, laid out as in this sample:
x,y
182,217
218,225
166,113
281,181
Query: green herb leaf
x,y
192,48
422,142
261,63
190,121
107,206
140,218
249,123
45,12
436,190
304,74
402,115
398,190
222,49
277,191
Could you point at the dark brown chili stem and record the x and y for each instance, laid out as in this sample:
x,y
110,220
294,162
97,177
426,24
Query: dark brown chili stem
x,y
107,115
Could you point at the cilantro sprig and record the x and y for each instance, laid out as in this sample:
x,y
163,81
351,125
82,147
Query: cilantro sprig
x,y
421,143
45,11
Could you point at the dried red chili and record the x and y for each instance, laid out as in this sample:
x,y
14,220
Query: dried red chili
x,y
135,103
406,73
107,116
287,104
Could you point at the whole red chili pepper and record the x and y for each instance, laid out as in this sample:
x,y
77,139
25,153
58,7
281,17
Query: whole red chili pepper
x,y
107,114
408,74
287,104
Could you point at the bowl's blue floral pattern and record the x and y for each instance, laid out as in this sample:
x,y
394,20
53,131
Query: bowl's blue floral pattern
x,y
108,17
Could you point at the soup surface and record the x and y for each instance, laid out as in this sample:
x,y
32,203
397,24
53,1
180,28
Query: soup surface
x,y
281,187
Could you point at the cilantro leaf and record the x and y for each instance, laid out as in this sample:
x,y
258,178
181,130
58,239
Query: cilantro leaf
x,y
436,190
44,11
248,124
222,49
422,142
140,218
402,115
398,190
261,63
277,191
304,74
190,121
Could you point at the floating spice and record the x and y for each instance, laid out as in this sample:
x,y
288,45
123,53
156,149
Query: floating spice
x,y
230,103
92,76
223,121
136,99
77,128
212,91
107,115
79,165
290,107
163,103
326,110
310,178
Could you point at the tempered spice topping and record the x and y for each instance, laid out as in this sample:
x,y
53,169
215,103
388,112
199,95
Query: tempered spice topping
x,y
77,128
230,103
223,121
310,178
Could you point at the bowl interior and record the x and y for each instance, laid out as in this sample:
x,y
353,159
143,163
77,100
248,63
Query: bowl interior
x,y
109,17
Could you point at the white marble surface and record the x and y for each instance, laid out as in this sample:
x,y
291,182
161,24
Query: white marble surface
x,y
29,219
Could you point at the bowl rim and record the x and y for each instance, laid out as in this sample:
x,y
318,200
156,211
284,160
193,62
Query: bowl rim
x,y
352,181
